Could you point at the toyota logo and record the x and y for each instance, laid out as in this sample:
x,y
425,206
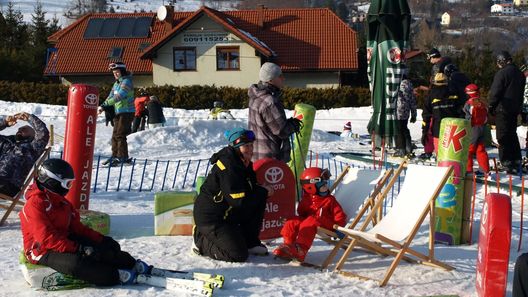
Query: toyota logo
x,y
274,175
91,99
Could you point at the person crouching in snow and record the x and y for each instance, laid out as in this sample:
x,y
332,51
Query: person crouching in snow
x,y
347,130
317,208
229,210
55,237
477,112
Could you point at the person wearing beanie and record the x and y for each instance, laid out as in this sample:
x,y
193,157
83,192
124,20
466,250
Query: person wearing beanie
x,y
347,130
440,103
267,117
438,62
229,210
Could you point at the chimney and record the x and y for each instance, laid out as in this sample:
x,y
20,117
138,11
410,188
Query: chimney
x,y
169,20
261,17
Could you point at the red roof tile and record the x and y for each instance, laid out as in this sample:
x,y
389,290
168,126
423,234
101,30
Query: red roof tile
x,y
300,39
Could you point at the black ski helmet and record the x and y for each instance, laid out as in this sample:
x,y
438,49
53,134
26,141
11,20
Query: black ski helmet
x,y
450,69
55,175
219,104
503,58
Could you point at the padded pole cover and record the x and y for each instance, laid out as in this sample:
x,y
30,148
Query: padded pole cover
x,y
453,147
494,246
301,141
280,205
79,140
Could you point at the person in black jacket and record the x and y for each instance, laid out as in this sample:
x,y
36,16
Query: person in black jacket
x,y
229,210
440,103
155,113
505,99
457,82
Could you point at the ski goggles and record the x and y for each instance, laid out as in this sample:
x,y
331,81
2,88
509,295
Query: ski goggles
x,y
64,182
246,137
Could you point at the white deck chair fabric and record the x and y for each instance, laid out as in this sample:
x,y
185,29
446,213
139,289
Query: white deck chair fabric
x,y
355,188
419,185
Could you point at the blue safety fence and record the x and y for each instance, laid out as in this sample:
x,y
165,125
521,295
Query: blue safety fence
x,y
150,175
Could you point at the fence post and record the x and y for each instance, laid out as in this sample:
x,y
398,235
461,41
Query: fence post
x,y
165,175
131,174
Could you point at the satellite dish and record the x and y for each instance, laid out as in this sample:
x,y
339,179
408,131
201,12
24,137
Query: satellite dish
x,y
162,13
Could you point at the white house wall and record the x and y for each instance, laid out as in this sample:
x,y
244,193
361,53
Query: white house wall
x,y
206,72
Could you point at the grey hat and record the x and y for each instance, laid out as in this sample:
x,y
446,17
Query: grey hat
x,y
269,71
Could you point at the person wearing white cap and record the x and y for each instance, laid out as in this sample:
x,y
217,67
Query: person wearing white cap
x,y
267,117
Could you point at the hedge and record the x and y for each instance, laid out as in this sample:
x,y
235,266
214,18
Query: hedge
x,y
193,97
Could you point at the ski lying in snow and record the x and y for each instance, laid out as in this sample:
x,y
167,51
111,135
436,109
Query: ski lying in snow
x,y
195,287
216,280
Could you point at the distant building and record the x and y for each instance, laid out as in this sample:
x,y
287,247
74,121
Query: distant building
x,y
446,19
207,47
503,8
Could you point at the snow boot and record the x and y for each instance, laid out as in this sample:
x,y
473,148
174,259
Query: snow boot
x,y
299,253
258,250
108,161
284,251
194,248
142,267
127,277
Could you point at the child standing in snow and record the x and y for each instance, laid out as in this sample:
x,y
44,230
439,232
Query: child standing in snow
x,y
317,208
477,112
347,130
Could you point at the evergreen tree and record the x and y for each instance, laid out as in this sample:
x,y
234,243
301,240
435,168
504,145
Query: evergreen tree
x,y
16,34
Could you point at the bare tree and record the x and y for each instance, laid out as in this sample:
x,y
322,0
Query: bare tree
x,y
78,8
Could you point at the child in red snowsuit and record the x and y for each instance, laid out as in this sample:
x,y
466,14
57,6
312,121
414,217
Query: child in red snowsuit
x,y
477,112
317,208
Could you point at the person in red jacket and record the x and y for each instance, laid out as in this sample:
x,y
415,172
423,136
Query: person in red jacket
x,y
317,208
55,237
477,112
140,116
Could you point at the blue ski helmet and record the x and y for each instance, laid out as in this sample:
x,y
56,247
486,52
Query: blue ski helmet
x,y
239,136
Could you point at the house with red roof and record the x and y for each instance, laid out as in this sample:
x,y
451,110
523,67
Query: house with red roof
x,y
207,47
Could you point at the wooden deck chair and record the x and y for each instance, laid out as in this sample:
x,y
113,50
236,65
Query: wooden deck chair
x,y
9,203
351,196
399,226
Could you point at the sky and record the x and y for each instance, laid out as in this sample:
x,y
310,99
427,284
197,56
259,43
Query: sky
x,y
189,135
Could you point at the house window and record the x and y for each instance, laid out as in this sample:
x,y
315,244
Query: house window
x,y
227,58
184,58
115,53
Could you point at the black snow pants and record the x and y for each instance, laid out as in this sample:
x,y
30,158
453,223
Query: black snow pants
x,y
520,277
100,269
230,240
509,147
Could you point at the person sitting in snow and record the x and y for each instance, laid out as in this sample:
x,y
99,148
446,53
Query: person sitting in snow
x,y
347,130
229,210
155,113
477,112
219,113
55,237
19,152
317,208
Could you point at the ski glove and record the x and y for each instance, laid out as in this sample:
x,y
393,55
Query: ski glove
x,y
109,243
86,251
296,124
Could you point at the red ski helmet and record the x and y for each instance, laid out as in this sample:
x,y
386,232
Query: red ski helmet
x,y
472,90
313,178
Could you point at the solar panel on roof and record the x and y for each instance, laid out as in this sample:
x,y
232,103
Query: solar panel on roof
x,y
129,27
142,27
126,27
93,28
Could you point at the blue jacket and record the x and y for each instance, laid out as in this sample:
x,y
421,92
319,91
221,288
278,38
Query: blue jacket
x,y
17,157
122,95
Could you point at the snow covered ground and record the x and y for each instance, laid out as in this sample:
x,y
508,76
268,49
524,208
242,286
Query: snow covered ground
x,y
56,8
189,135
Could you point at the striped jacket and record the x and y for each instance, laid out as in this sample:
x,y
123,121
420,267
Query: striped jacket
x,y
267,120
122,95
17,157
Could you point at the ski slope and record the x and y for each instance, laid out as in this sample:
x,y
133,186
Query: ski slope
x,y
188,135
